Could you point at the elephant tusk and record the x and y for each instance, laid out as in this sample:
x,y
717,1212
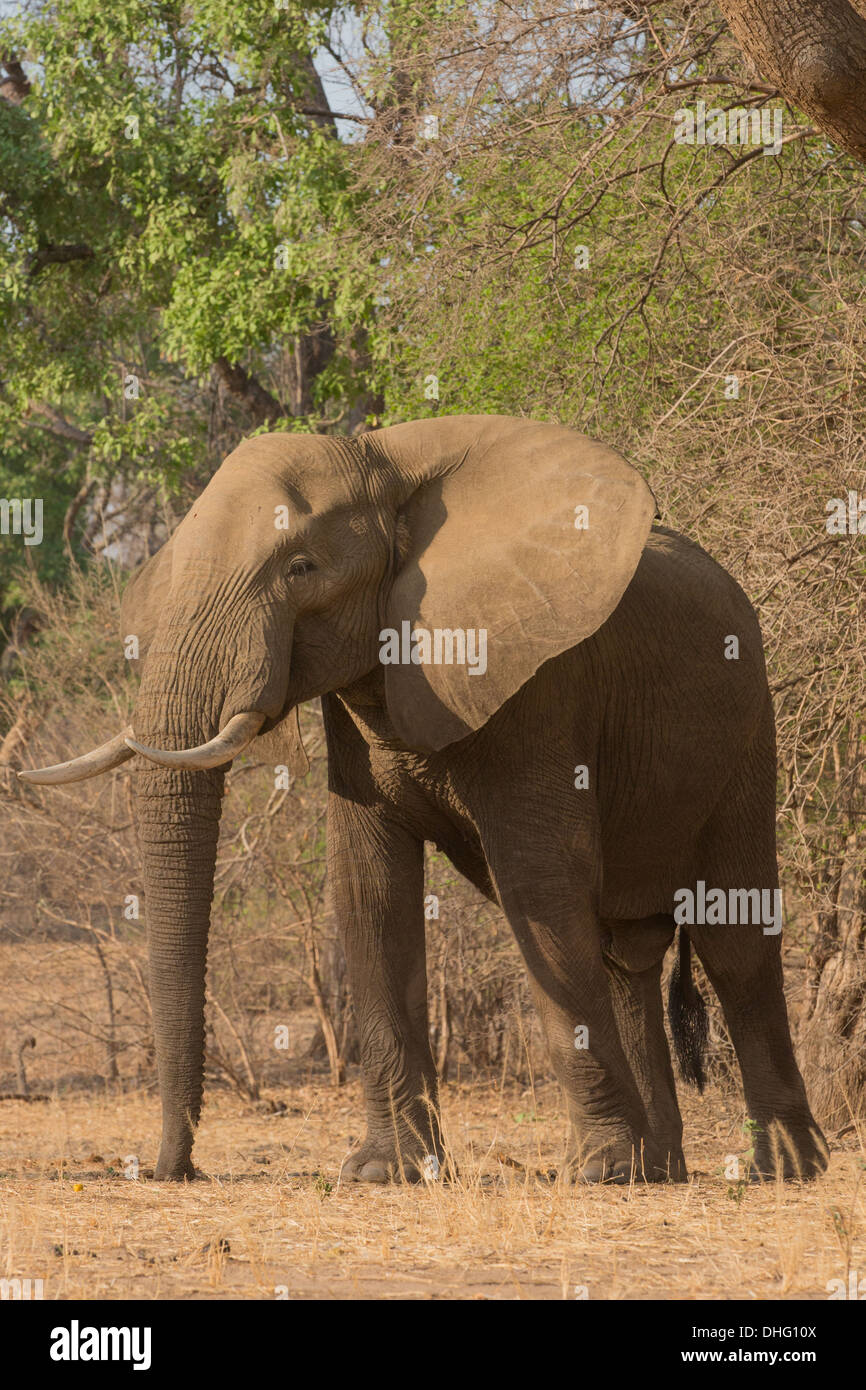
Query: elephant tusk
x,y
101,759
234,738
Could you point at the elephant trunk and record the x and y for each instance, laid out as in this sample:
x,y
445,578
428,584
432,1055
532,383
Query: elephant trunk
x,y
188,688
178,828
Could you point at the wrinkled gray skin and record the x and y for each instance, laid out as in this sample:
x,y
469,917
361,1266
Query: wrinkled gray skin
x,y
606,648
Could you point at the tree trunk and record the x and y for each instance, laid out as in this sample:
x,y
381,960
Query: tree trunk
x,y
815,52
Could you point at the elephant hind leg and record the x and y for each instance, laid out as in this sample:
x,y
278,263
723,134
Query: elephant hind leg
x,y
743,961
745,969
634,953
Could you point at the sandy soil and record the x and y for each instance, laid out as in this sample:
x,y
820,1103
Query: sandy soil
x,y
270,1218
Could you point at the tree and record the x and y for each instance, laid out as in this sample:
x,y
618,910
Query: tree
x,y
815,53
172,190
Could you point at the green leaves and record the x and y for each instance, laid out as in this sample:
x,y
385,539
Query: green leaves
x,y
171,142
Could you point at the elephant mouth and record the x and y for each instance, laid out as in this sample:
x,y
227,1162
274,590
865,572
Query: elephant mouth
x,y
237,735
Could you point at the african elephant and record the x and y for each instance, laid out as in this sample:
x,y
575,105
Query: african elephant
x,y
519,666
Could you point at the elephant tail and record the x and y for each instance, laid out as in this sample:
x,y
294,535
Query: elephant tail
x,y
688,1017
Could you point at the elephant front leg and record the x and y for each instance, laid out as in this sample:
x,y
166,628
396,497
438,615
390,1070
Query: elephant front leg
x,y
377,875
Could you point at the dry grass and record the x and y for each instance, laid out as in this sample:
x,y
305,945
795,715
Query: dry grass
x,y
70,1217
271,1214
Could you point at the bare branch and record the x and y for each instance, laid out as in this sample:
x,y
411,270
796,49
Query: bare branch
x,y
57,254
248,391
56,423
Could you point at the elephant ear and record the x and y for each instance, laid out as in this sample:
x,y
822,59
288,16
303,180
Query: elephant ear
x,y
144,601
530,534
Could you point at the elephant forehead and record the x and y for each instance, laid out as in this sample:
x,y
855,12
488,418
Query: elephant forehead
x,y
258,518
312,471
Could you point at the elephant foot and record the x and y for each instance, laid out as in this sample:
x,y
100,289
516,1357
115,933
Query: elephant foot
x,y
174,1167
671,1167
382,1161
791,1150
623,1163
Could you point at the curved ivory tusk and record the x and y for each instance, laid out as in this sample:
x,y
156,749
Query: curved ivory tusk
x,y
101,759
234,738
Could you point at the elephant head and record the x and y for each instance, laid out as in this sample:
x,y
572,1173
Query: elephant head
x,y
275,589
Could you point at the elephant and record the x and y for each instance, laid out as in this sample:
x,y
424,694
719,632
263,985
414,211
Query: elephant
x,y
518,663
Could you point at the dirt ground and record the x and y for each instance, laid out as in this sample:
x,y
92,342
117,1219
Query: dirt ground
x,y
271,1220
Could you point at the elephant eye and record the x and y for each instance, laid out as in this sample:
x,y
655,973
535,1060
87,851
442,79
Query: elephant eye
x,y
301,567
